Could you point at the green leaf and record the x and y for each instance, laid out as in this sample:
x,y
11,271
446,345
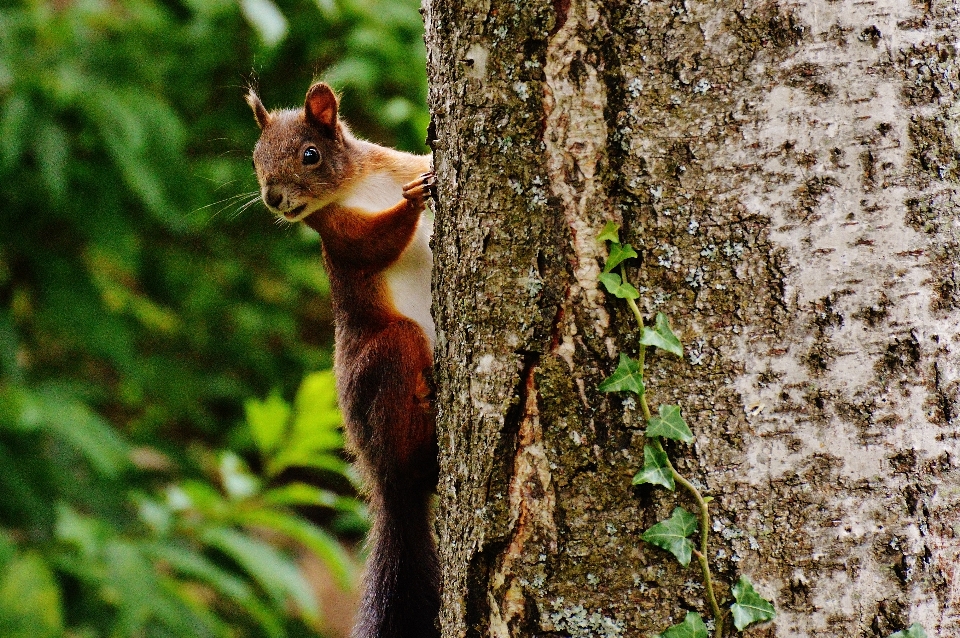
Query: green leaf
x,y
317,420
126,568
615,286
750,607
656,469
312,537
618,254
913,631
71,421
670,425
14,124
266,18
661,336
277,575
268,422
314,438
300,494
306,459
30,604
237,480
610,232
86,534
626,378
691,627
198,495
199,567
672,534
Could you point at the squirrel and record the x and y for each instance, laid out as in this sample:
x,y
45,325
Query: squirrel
x,y
367,202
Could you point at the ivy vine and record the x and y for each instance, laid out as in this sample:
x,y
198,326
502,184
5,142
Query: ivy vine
x,y
673,534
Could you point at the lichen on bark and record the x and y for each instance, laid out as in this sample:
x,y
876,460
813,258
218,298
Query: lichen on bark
x,y
788,172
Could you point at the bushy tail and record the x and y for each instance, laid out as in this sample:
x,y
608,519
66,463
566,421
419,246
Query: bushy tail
x,y
401,596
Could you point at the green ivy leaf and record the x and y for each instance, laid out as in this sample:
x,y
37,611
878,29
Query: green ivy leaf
x,y
914,631
670,425
661,336
655,470
672,534
610,232
691,627
618,254
626,378
750,607
618,288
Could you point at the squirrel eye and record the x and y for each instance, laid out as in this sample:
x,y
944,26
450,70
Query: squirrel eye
x,y
311,155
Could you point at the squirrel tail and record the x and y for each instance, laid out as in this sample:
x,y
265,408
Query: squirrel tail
x,y
401,591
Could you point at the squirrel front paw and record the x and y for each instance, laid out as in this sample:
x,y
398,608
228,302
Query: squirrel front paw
x,y
417,191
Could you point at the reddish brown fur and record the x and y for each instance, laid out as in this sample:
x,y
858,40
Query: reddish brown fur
x,y
370,332
383,360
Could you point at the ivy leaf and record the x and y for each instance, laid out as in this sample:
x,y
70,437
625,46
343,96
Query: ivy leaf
x,y
672,534
691,627
655,470
670,425
750,607
618,254
610,232
618,288
661,336
626,378
914,631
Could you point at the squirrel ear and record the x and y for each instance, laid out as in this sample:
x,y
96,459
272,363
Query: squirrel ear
x,y
259,112
321,107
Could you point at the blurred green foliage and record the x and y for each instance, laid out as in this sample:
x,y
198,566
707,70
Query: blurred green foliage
x,y
145,297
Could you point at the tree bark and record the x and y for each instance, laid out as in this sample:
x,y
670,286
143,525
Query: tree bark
x,y
789,174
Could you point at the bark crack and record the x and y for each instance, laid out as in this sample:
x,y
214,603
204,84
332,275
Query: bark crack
x,y
575,136
532,502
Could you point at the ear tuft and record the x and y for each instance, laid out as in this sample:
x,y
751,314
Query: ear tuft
x,y
259,111
320,108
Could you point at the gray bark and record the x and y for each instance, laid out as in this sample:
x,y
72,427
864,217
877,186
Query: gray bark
x,y
789,173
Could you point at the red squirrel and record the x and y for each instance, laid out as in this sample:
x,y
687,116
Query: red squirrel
x,y
367,203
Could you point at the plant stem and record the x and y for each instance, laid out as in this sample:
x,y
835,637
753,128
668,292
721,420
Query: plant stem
x,y
704,531
701,502
641,355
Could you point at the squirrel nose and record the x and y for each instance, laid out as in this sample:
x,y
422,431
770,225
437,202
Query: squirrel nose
x,y
273,195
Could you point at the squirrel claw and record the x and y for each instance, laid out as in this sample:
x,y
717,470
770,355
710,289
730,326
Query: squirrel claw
x,y
420,188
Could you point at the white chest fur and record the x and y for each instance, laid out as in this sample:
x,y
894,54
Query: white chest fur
x,y
374,193
408,279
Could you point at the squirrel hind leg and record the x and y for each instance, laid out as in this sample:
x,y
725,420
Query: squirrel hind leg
x,y
387,400
388,408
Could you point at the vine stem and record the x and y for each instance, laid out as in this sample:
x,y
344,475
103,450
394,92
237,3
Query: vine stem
x,y
687,485
704,527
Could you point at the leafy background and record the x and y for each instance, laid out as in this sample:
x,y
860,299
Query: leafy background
x,y
170,459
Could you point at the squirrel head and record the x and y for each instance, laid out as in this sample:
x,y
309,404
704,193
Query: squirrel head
x,y
302,158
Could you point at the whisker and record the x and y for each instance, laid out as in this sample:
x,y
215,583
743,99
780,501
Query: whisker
x,y
227,199
244,207
225,184
229,202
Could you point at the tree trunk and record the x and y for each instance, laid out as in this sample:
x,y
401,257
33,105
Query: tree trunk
x,y
788,173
